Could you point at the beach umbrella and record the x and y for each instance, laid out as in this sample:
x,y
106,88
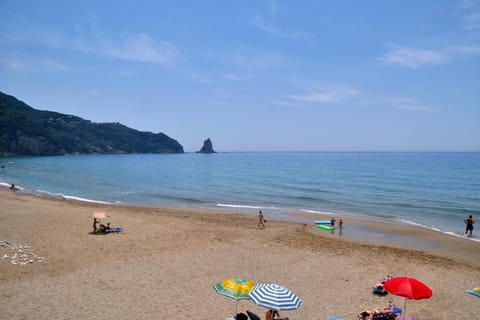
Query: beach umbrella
x,y
274,297
99,215
409,288
234,288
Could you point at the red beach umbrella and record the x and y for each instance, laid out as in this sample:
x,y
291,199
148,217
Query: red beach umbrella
x,y
409,288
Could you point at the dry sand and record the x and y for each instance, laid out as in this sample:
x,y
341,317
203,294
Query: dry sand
x,y
165,262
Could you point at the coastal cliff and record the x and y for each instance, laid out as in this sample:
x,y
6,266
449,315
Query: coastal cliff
x,y
27,131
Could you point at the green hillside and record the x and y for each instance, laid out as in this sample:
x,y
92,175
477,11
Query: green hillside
x,y
27,131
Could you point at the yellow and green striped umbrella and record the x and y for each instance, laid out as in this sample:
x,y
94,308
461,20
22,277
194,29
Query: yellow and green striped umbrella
x,y
234,288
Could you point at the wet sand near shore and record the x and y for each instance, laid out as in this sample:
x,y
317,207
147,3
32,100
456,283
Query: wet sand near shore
x,y
403,236
166,261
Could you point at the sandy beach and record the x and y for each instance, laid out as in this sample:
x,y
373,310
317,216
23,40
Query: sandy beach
x,y
166,261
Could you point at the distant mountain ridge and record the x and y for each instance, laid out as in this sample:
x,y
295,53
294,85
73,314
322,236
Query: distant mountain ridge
x,y
27,131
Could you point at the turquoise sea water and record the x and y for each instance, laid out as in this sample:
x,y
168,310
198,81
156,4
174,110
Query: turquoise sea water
x,y
433,190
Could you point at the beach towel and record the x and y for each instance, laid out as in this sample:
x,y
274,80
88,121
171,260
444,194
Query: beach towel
x,y
474,292
116,229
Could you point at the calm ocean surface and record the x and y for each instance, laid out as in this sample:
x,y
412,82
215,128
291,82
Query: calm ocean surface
x,y
433,190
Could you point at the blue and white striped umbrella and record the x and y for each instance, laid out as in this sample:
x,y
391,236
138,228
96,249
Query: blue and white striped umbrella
x,y
274,296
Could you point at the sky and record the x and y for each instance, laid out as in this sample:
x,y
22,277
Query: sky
x,y
359,75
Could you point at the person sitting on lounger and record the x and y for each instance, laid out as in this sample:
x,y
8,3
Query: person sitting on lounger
x,y
365,314
373,314
383,310
105,228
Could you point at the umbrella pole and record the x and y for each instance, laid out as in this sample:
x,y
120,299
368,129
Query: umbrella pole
x,y
404,308
236,303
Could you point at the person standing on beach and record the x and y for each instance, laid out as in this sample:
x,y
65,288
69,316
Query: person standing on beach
x,y
340,223
261,220
95,221
332,222
469,228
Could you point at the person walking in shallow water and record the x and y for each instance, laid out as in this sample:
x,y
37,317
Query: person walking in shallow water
x,y
332,222
469,225
261,220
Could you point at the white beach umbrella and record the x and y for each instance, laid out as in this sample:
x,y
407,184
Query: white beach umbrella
x,y
99,215
274,297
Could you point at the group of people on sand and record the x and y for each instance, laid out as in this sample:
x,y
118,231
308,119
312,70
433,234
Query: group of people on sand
x,y
101,228
468,222
262,220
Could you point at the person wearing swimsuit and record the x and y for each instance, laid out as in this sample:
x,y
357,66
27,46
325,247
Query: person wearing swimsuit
x,y
469,228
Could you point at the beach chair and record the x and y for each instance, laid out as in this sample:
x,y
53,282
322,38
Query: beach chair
x,y
252,316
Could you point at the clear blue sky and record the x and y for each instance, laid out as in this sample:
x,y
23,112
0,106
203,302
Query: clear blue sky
x,y
255,75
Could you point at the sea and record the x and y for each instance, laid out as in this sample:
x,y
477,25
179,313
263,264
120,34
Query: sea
x,y
433,190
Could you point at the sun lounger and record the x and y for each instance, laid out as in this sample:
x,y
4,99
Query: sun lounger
x,y
253,316
381,315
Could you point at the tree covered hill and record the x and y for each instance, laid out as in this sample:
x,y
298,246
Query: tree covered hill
x,y
27,131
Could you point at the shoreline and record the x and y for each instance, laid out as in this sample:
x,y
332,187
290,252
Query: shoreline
x,y
407,200
357,230
167,260
362,232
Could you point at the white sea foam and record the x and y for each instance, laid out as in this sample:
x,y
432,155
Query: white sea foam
x,y
83,199
7,185
244,206
62,196
450,233
308,187
317,212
